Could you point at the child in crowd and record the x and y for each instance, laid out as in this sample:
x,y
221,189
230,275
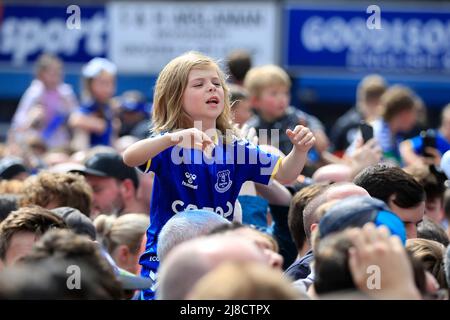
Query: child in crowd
x,y
400,109
93,123
416,150
134,113
269,93
45,106
198,159
123,237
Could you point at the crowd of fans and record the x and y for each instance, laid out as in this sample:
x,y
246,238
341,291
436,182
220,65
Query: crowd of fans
x,y
365,219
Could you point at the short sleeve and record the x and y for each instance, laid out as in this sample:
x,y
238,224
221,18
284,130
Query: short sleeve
x,y
154,164
151,165
259,166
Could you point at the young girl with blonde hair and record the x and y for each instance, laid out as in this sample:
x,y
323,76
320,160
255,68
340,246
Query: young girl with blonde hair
x,y
198,160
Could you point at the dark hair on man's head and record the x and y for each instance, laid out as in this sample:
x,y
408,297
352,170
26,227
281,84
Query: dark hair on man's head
x,y
428,229
69,246
296,209
8,203
430,178
32,219
238,63
383,181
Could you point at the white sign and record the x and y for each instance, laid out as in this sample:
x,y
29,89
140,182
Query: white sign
x,y
145,36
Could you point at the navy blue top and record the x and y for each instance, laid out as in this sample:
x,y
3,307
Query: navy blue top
x,y
104,112
300,269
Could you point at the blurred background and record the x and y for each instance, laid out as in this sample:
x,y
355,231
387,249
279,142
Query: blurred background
x,y
325,46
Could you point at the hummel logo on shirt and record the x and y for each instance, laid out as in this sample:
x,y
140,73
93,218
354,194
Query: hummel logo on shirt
x,y
190,180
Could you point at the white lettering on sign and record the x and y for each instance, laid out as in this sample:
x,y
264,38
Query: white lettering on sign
x,y
145,36
400,43
400,36
22,37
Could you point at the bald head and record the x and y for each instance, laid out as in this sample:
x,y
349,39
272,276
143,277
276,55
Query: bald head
x,y
191,260
333,173
336,191
344,190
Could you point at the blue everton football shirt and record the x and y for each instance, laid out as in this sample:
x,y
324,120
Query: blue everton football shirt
x,y
187,179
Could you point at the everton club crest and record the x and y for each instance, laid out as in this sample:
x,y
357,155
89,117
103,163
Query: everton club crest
x,y
223,181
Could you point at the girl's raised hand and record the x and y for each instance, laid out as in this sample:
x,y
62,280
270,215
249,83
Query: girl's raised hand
x,y
301,137
192,138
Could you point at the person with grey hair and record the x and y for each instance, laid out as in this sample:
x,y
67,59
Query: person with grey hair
x,y
185,226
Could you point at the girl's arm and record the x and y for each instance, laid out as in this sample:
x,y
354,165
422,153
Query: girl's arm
x,y
87,122
143,150
291,166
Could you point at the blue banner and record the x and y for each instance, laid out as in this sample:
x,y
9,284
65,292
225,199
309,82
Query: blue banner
x,y
410,39
27,31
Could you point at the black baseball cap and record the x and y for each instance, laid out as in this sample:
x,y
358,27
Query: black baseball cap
x,y
356,211
10,167
109,164
77,221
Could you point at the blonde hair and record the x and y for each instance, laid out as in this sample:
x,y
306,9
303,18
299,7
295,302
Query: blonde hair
x,y
46,61
125,230
431,253
67,189
168,113
371,87
259,78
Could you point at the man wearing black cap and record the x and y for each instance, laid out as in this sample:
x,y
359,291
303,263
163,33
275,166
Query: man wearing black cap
x,y
13,168
114,185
